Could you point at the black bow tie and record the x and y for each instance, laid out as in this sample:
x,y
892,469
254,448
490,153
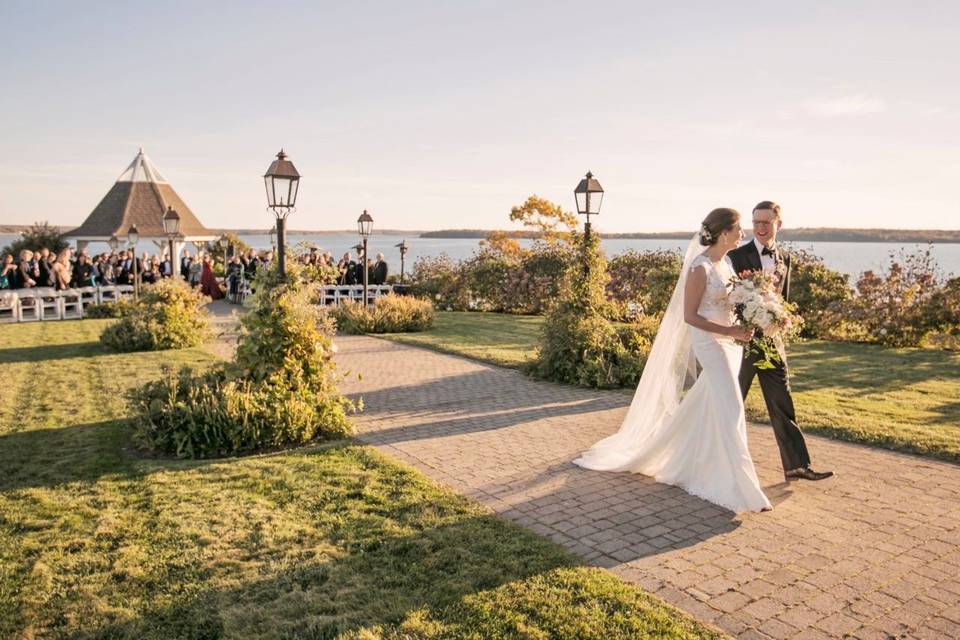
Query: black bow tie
x,y
767,251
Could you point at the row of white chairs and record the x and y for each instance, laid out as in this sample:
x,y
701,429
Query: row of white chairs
x,y
334,295
46,303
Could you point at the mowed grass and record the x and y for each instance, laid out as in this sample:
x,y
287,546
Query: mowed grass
x,y
325,542
902,399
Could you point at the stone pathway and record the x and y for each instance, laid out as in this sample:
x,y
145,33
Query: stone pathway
x,y
871,553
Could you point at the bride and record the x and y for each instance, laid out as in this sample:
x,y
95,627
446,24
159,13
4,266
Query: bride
x,y
695,439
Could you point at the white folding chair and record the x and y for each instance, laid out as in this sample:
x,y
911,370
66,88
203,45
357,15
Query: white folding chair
x,y
108,294
71,304
49,303
30,305
9,307
89,295
124,291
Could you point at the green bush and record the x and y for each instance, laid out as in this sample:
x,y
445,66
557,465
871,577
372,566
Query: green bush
x,y
40,235
107,309
899,308
280,391
815,289
578,344
168,315
646,278
389,314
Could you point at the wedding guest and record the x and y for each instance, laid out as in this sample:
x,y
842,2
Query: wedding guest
x,y
8,273
44,262
24,279
379,275
234,277
208,282
62,270
83,274
185,263
196,271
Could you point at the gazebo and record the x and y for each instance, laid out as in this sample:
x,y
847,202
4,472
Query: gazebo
x,y
140,197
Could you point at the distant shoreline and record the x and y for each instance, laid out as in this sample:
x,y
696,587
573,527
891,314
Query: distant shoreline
x,y
823,234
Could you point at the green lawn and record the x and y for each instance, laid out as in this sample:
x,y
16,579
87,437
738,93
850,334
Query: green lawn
x,y
323,542
903,399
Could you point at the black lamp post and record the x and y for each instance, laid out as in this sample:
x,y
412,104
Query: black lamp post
x,y
133,236
282,181
171,226
224,243
365,227
402,245
589,195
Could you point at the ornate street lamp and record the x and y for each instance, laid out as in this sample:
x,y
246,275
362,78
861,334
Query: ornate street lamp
x,y
133,236
589,195
282,181
402,245
114,243
171,226
365,227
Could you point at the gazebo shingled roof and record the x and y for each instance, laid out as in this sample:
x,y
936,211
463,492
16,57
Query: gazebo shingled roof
x,y
140,196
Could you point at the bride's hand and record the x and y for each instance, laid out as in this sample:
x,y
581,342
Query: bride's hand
x,y
743,334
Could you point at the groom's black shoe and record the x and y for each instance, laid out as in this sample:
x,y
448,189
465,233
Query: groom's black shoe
x,y
806,473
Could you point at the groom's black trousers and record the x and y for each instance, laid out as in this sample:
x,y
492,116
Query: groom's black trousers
x,y
783,417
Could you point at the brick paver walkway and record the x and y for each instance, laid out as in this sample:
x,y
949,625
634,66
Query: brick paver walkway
x,y
871,553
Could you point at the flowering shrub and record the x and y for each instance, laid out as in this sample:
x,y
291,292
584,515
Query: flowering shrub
x,y
389,314
281,390
897,308
578,344
169,315
441,280
644,278
815,289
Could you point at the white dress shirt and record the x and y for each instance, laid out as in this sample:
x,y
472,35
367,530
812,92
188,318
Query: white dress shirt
x,y
769,264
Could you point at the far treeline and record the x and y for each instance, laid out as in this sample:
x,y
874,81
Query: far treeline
x,y
813,234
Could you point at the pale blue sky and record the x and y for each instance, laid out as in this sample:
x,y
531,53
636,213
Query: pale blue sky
x,y
444,114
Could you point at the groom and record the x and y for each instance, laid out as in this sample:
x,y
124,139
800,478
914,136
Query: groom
x,y
763,253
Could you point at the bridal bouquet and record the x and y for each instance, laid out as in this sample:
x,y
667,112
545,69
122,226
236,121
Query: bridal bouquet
x,y
760,307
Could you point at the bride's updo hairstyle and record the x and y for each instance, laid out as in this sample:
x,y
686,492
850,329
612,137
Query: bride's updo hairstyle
x,y
716,222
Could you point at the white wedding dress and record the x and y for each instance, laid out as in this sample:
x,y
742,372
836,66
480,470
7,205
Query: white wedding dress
x,y
695,436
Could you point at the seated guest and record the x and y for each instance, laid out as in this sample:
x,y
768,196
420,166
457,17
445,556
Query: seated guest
x,y
84,272
24,279
62,270
8,272
44,262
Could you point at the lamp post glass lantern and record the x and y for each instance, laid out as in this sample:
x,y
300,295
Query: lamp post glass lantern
x,y
402,245
365,227
114,243
589,195
282,181
171,226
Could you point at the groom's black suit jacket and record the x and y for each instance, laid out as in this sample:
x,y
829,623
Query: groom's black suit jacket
x,y
747,258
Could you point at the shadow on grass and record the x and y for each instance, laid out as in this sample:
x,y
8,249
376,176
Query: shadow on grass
x,y
869,367
41,353
379,581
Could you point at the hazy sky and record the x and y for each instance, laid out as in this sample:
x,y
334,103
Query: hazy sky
x,y
445,114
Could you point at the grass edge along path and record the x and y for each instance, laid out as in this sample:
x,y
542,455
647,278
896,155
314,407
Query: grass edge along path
x,y
904,400
337,540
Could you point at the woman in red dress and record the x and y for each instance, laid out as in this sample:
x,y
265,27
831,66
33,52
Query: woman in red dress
x,y
208,282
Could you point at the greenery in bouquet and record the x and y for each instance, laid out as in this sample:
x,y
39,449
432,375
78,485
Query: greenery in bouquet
x,y
760,307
